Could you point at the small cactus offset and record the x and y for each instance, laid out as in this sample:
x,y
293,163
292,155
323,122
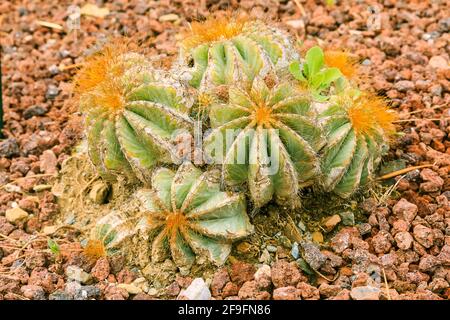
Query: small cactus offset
x,y
234,50
132,113
190,216
273,145
358,126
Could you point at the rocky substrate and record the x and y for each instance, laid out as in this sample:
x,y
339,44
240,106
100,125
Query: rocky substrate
x,y
399,249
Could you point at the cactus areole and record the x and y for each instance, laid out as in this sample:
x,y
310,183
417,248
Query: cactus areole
x,y
133,113
189,215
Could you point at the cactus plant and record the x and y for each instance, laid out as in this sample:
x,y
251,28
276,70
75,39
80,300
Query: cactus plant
x,y
107,235
357,126
132,113
191,216
274,140
233,50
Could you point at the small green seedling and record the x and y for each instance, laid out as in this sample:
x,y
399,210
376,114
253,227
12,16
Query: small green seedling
x,y
313,74
54,247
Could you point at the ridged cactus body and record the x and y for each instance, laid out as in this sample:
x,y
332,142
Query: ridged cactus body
x,y
190,216
132,114
357,129
229,51
267,138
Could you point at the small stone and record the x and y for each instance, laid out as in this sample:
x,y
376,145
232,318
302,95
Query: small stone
x,y
34,111
48,162
219,280
250,291
53,69
364,228
423,235
317,237
381,242
295,251
265,257
271,248
331,222
60,295
52,92
285,274
263,277
130,288
16,215
230,289
9,148
173,289
308,292
99,192
327,291
101,269
169,17
312,255
33,292
404,240
242,272
296,24
348,218
77,274
433,182
365,293
405,210
197,290
438,62
87,292
287,293
404,85
48,230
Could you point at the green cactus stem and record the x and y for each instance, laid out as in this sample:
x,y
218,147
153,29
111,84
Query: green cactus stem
x,y
190,216
357,127
234,50
132,113
267,138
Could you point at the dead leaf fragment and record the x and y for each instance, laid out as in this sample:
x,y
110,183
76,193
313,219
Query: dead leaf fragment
x,y
50,25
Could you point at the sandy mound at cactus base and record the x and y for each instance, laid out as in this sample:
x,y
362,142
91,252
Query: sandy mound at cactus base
x,y
87,201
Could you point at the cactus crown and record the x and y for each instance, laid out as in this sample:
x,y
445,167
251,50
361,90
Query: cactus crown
x,y
213,30
342,60
368,113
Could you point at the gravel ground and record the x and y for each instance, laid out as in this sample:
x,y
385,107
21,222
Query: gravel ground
x,y
400,251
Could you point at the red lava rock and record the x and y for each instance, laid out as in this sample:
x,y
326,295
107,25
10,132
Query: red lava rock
x,y
428,263
342,295
423,235
33,292
219,280
139,296
48,162
126,276
250,291
230,289
308,292
41,277
263,277
36,259
327,291
405,210
242,272
115,293
101,269
285,274
381,242
287,293
403,240
173,289
433,181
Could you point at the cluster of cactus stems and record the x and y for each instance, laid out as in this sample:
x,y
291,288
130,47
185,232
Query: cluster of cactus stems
x,y
276,123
